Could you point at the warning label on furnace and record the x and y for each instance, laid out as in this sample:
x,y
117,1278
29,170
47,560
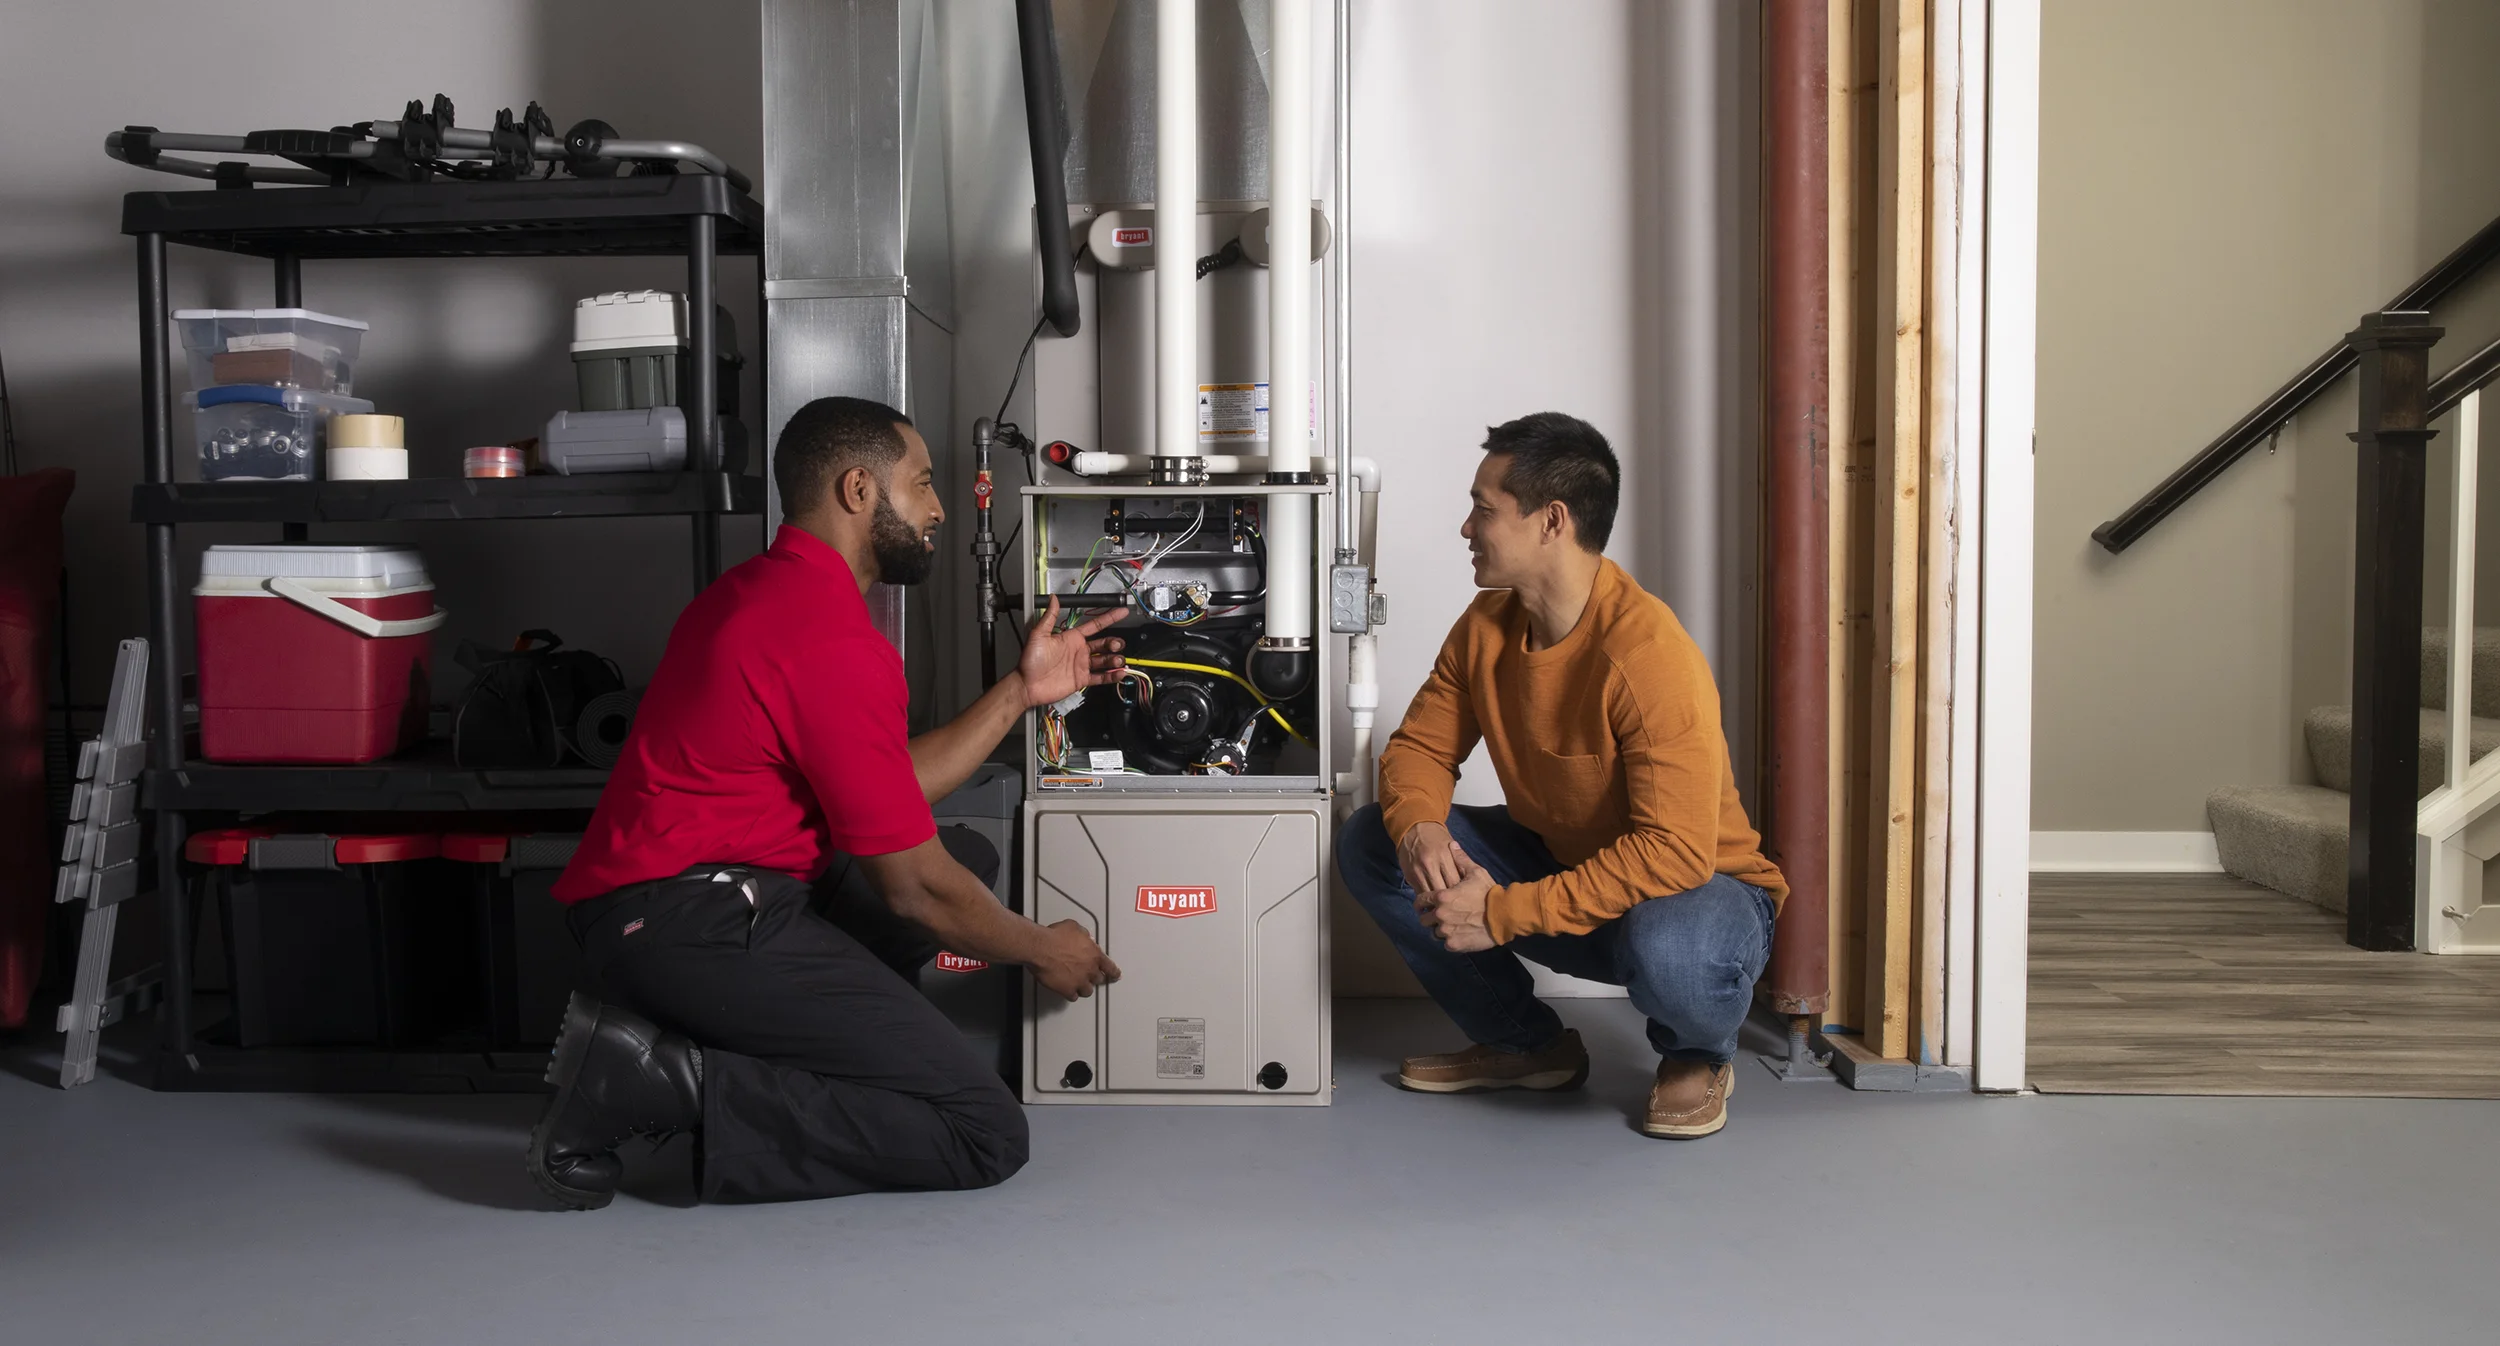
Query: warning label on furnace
x,y
1180,1049
1232,411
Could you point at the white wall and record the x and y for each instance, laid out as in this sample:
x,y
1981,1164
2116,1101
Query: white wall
x,y
1537,227
471,352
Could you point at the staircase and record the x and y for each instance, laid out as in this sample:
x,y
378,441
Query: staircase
x,y
2291,838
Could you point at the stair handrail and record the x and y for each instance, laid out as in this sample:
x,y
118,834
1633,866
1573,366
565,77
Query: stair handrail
x,y
2259,425
2467,376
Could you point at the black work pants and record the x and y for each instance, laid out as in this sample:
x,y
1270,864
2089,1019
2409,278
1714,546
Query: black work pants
x,y
825,1071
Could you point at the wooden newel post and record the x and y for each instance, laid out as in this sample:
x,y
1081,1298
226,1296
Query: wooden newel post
x,y
2387,625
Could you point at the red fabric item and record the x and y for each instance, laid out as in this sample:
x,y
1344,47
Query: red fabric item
x,y
773,735
30,603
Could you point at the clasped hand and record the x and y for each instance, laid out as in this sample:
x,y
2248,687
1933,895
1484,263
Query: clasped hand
x,y
1451,889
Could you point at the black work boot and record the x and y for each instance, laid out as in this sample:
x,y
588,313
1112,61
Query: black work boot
x,y
616,1076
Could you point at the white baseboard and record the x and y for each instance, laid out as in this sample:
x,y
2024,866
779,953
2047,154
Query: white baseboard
x,y
2124,853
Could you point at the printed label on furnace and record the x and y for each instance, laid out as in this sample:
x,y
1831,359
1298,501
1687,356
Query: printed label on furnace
x,y
1232,411
1180,1049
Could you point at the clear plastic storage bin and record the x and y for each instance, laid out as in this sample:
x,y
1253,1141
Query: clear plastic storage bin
x,y
282,347
251,433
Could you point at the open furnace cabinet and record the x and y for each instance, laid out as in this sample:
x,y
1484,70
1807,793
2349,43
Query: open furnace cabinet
x,y
1183,816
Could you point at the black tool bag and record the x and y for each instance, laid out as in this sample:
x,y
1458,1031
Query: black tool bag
x,y
522,705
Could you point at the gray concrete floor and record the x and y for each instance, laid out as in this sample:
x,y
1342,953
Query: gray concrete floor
x,y
1819,1215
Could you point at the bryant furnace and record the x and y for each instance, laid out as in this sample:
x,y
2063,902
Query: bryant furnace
x,y
1185,815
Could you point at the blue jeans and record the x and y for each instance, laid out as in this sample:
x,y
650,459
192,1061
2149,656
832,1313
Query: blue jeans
x,y
1688,960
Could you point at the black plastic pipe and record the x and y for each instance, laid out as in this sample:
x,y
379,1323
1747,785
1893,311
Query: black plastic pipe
x,y
1046,122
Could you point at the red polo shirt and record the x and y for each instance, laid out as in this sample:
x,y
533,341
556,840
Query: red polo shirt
x,y
773,735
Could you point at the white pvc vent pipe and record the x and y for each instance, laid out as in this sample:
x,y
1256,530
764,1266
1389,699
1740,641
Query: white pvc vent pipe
x,y
1176,229
1289,542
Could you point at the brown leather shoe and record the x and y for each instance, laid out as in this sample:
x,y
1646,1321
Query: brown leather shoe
x,y
1560,1064
1689,1100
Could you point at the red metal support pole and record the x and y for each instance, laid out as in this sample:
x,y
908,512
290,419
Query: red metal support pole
x,y
1796,166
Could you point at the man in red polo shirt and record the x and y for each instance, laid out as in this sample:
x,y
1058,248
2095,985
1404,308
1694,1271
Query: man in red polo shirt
x,y
772,740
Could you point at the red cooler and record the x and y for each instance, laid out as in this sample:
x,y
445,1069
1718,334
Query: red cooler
x,y
313,654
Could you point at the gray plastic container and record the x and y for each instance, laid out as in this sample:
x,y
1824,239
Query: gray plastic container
x,y
640,439
645,439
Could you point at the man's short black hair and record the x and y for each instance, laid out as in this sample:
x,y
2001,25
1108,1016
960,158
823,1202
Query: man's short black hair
x,y
829,437
1558,457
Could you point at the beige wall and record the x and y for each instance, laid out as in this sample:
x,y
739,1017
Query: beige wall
x,y
2226,185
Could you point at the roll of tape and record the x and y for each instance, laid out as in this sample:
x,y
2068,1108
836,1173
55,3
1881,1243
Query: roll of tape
x,y
369,432
363,464
599,731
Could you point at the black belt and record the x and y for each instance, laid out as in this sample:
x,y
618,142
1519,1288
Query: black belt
x,y
589,912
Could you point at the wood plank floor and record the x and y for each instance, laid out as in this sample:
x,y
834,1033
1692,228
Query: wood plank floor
x,y
2205,984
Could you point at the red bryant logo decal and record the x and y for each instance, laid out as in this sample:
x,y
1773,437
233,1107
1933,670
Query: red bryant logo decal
x,y
1176,902
1130,238
955,962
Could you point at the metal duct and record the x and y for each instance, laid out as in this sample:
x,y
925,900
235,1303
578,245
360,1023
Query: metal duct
x,y
843,115
1107,55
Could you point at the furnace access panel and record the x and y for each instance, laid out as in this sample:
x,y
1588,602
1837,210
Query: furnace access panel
x,y
1215,909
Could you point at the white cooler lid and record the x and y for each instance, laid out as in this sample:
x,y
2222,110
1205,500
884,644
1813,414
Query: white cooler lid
x,y
357,569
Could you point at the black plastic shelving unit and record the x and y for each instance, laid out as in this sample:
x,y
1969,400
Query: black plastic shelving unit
x,y
695,216
604,496
424,781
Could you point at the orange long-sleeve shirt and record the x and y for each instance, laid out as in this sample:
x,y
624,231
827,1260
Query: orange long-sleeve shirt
x,y
1607,745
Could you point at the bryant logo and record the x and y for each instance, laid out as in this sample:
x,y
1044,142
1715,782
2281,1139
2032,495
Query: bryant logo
x,y
955,962
1176,901
1131,238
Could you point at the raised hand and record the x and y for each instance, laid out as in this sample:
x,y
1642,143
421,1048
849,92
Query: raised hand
x,y
1056,663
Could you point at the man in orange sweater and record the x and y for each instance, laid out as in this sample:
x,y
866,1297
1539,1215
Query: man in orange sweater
x,y
1623,855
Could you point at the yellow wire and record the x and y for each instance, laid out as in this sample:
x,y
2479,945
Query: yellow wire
x,y
1264,703
1209,669
1279,718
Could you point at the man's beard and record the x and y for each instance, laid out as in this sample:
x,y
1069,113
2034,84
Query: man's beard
x,y
903,555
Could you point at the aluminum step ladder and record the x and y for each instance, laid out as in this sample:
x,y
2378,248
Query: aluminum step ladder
x,y
100,866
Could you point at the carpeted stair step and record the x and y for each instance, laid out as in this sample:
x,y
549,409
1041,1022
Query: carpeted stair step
x,y
2328,730
2291,838
2486,669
